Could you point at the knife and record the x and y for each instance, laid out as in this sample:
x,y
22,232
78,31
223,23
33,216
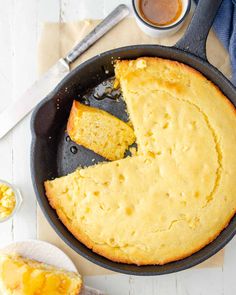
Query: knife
x,y
18,109
90,291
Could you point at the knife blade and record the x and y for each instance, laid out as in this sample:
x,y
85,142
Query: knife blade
x,y
18,109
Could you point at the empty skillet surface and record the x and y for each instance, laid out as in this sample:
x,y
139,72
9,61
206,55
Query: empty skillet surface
x,y
51,154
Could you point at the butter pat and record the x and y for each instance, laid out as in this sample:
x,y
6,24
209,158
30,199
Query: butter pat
x,y
141,64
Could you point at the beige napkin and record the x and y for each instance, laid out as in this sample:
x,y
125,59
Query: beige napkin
x,y
56,40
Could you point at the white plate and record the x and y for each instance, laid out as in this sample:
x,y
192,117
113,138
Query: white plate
x,y
46,253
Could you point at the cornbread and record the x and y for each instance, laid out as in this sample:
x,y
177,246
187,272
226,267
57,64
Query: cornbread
x,y
7,201
22,276
99,131
178,192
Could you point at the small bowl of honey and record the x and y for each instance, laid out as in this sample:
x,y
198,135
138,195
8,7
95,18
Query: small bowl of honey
x,y
10,200
161,18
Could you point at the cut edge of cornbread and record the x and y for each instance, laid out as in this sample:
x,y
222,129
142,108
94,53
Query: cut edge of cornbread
x,y
141,63
125,68
74,278
99,131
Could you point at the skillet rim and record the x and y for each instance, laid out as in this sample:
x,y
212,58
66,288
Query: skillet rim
x,y
216,245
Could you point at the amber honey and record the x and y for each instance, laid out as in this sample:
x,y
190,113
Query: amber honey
x,y
160,12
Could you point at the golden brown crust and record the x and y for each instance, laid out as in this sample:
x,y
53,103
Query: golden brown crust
x,y
187,68
83,238
73,113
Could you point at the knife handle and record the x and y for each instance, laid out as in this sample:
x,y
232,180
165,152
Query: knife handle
x,y
101,29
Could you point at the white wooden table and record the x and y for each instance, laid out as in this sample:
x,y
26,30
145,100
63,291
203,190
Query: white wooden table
x,y
20,22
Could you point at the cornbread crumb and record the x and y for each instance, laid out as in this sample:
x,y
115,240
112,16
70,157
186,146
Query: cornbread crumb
x,y
99,131
133,151
116,84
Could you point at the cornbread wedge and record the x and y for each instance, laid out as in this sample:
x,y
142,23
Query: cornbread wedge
x,y
22,276
99,131
178,193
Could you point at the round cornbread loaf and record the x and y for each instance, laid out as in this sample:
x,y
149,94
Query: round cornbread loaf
x,y
178,193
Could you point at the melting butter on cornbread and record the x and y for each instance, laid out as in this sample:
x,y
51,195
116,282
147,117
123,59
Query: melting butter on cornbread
x,y
178,193
22,276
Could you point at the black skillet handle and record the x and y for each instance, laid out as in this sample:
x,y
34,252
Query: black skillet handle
x,y
194,40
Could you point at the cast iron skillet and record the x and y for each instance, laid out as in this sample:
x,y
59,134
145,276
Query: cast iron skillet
x,y
53,155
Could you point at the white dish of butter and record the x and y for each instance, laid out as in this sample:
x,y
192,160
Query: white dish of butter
x,y
10,200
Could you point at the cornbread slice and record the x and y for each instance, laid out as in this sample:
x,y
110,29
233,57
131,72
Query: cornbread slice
x,y
99,131
178,193
22,276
